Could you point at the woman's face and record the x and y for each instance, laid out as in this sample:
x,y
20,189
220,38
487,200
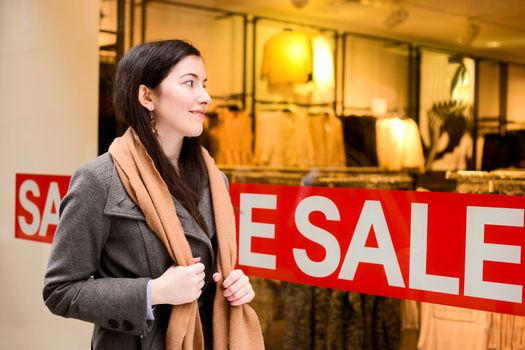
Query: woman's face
x,y
181,100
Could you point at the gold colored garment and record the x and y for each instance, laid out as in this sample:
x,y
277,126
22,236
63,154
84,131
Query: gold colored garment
x,y
287,58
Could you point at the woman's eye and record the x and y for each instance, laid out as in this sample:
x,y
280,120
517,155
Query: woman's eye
x,y
189,83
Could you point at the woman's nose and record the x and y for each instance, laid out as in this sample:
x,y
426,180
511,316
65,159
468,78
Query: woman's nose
x,y
205,97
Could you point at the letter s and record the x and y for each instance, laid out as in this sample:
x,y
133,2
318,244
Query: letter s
x,y
318,235
32,227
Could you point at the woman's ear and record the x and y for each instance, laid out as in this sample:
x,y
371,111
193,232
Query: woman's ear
x,y
146,98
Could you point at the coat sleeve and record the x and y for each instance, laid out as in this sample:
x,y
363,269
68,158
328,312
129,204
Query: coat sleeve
x,y
71,288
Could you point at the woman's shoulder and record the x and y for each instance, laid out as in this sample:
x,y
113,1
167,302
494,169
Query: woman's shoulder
x,y
99,170
100,165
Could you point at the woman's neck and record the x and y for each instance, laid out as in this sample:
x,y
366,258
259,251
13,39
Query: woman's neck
x,y
171,146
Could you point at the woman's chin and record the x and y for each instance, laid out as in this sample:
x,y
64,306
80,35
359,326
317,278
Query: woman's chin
x,y
195,132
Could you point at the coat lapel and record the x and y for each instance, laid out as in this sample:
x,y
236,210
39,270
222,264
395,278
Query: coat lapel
x,y
118,202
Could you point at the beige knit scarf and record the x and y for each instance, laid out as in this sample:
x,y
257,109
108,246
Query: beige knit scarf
x,y
234,327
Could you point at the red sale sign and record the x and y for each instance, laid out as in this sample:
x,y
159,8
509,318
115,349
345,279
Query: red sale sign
x,y
457,249
37,202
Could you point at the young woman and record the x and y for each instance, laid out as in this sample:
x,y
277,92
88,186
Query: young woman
x,y
145,247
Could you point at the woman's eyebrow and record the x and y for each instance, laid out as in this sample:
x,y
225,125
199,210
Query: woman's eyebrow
x,y
193,75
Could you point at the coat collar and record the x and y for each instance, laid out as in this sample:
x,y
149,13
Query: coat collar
x,y
119,204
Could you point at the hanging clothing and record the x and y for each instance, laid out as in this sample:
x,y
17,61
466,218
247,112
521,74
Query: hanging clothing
x,y
409,315
359,134
232,137
287,58
320,318
452,328
506,332
497,151
386,325
321,310
209,138
265,304
283,138
399,144
268,146
327,137
323,63
298,316
298,147
504,151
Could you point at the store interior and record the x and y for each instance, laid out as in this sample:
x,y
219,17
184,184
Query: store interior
x,y
377,94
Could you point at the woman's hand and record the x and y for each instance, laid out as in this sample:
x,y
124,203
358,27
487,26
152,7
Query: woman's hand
x,y
178,284
237,287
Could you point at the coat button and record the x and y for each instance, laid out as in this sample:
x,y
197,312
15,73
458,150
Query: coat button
x,y
127,325
113,324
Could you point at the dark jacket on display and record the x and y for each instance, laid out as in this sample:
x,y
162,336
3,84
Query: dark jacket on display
x,y
104,254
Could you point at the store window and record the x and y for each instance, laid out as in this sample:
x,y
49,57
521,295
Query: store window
x,y
276,119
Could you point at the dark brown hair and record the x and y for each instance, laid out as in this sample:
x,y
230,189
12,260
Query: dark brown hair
x,y
149,64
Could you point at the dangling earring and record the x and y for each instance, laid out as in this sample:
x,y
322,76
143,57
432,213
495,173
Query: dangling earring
x,y
153,123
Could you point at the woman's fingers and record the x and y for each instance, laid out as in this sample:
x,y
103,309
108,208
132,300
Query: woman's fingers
x,y
240,293
232,278
217,277
237,287
244,299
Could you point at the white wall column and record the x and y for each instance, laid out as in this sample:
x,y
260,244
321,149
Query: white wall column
x,y
48,125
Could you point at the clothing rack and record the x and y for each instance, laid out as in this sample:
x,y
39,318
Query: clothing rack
x,y
490,124
391,112
355,177
293,103
313,174
500,126
255,21
323,170
237,98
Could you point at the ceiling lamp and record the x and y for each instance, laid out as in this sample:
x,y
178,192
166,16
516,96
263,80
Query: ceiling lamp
x,y
471,33
299,3
398,15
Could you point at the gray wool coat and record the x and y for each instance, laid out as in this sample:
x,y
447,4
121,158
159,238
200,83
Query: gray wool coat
x,y
104,254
